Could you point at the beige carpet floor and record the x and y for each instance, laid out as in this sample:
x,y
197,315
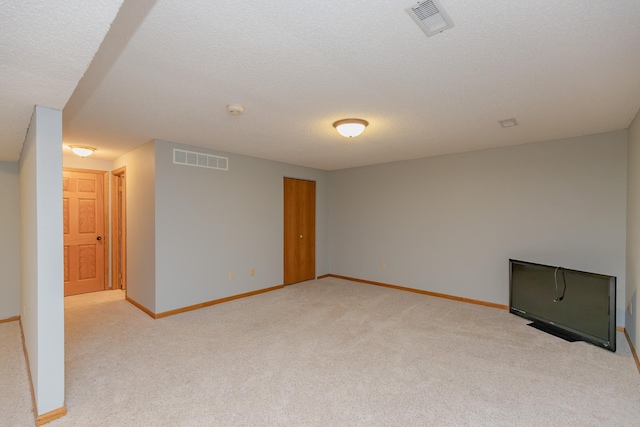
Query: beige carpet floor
x,y
16,408
333,352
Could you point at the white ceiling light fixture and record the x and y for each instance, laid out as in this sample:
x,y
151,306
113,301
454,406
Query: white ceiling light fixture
x,y
82,150
350,127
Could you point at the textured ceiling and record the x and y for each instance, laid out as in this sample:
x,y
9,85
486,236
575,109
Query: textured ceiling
x,y
45,48
167,69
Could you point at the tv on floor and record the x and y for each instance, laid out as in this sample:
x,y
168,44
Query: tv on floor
x,y
571,304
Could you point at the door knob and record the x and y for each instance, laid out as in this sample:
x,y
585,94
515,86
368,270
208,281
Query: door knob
x,y
301,236
99,238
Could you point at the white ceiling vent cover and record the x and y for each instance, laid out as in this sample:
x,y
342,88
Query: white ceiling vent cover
x,y
430,17
191,158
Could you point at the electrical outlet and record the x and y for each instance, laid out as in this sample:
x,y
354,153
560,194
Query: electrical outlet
x,y
232,276
253,271
630,308
383,266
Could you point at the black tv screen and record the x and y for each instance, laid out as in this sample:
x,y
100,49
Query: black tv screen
x,y
572,304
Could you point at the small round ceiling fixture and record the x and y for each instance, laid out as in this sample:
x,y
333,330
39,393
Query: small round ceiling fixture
x,y
235,109
350,127
82,150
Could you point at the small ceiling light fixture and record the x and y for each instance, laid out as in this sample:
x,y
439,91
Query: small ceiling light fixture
x,y
508,123
350,127
82,150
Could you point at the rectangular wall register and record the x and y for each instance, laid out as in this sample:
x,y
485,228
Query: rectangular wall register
x,y
192,158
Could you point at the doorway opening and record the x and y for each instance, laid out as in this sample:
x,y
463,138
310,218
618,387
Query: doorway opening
x,y
119,229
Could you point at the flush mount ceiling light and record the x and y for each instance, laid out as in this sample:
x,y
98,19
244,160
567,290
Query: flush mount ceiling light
x,y
508,123
350,127
82,150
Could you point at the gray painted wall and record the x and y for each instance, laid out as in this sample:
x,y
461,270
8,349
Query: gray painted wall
x,y
41,258
210,223
141,224
70,160
10,241
449,224
632,322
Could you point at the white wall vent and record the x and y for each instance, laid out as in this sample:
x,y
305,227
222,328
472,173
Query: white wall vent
x,y
430,17
191,158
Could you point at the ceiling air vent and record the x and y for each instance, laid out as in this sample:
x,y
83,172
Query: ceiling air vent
x,y
191,158
430,17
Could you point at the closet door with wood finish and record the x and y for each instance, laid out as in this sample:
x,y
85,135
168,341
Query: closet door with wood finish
x,y
299,230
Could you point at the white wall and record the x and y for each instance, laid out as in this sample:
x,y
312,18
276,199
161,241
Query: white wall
x,y
210,223
141,224
41,259
9,242
70,160
449,224
632,323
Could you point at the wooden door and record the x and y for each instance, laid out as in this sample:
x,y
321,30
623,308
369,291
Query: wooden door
x,y
83,214
118,229
299,230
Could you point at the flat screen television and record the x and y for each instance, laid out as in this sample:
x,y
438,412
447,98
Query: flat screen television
x,y
574,305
